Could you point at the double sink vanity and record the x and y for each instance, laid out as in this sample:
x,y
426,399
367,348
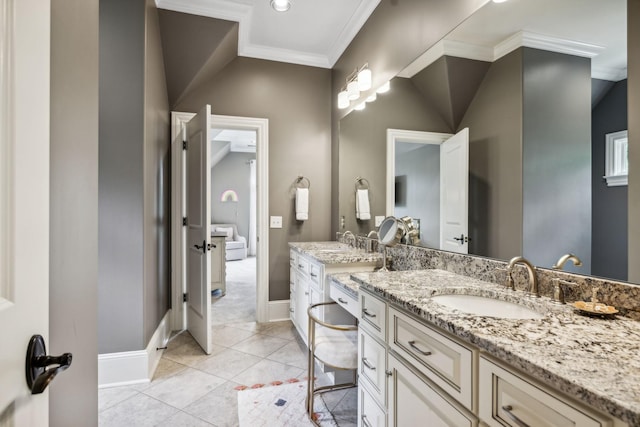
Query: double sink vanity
x,y
442,348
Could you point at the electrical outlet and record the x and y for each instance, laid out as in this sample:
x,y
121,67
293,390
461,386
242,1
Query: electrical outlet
x,y
379,219
276,222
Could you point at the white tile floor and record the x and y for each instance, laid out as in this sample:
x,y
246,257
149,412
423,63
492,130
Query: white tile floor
x,y
193,389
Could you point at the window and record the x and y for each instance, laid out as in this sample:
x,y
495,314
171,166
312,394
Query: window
x,y
616,166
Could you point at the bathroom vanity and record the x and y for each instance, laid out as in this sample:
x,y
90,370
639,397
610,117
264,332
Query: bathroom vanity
x,y
423,363
309,265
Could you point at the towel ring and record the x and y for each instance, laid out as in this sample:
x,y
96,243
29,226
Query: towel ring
x,y
362,184
300,182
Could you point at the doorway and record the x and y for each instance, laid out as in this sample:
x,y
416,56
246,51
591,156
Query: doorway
x,y
261,128
233,214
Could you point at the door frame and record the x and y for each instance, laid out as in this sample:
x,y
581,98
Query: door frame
x,y
410,136
178,279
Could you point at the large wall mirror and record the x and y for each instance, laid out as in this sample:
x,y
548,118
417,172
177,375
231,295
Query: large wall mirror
x,y
539,84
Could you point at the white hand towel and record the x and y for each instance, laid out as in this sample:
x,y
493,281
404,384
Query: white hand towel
x,y
362,204
302,204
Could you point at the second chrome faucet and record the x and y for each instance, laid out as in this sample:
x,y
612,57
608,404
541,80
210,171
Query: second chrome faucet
x,y
533,278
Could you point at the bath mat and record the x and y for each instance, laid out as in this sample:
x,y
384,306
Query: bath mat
x,y
281,405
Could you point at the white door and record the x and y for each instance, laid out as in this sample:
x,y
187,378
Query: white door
x,y
24,202
454,193
198,191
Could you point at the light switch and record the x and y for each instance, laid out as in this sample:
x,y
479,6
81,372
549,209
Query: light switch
x,y
276,222
379,219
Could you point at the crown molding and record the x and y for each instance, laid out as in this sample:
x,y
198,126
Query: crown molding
x,y
282,55
608,73
448,48
242,13
540,41
351,29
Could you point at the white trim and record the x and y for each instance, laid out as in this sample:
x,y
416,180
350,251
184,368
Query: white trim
x,y
133,367
178,234
279,310
540,41
351,29
612,168
411,136
242,13
520,39
609,73
178,285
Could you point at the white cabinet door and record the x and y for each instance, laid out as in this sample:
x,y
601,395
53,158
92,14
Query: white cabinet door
x,y
302,304
24,202
199,228
454,193
415,402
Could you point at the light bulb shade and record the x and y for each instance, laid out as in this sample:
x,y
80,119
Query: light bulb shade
x,y
384,88
372,97
343,100
360,106
364,79
280,5
353,91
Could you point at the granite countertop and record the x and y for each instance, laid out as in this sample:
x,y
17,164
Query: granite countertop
x,y
336,253
594,360
346,283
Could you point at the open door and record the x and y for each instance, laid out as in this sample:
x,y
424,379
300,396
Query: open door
x,y
24,205
454,193
198,192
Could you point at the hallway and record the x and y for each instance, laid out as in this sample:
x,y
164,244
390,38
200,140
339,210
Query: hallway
x,y
193,389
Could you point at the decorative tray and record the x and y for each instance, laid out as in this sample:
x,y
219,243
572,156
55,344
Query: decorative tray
x,y
595,308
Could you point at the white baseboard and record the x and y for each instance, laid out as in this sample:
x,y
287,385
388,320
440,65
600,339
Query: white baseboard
x,y
134,367
278,310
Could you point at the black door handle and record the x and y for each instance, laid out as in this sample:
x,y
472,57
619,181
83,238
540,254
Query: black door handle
x,y
38,376
203,247
459,239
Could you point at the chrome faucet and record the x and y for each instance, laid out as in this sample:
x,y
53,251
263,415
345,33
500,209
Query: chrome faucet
x,y
533,279
370,241
564,258
352,238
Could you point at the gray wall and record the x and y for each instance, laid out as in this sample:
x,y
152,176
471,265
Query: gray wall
x,y
633,72
120,238
556,174
609,243
73,264
157,180
297,101
363,146
421,169
232,173
133,177
494,119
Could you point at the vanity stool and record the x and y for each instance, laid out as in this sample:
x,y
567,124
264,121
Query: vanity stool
x,y
335,346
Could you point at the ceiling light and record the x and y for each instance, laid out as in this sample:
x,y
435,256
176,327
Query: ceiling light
x,y
360,106
372,97
343,100
499,1
384,88
280,5
353,91
364,79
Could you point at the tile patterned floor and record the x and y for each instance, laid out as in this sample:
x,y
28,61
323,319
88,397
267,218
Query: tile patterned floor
x,y
192,389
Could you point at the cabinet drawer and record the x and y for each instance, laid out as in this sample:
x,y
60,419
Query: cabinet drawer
x,y
507,399
315,273
293,258
444,361
369,413
414,401
302,264
373,315
346,301
372,365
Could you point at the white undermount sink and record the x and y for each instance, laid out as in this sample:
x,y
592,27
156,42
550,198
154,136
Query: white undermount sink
x,y
483,306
